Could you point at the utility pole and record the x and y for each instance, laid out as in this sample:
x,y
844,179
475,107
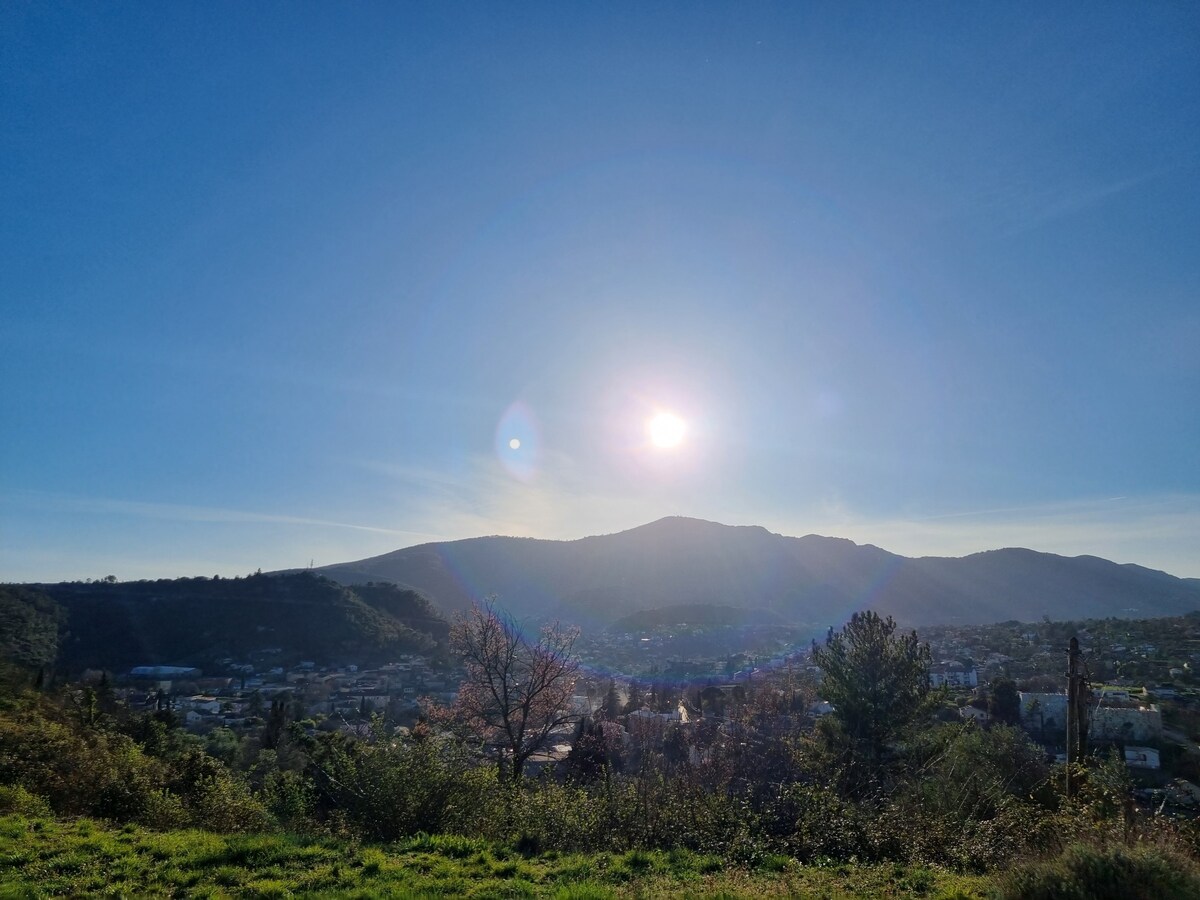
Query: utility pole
x,y
1072,665
1078,696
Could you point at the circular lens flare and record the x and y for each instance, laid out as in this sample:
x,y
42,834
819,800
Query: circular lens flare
x,y
518,443
666,430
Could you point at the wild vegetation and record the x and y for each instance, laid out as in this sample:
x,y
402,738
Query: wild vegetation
x,y
882,798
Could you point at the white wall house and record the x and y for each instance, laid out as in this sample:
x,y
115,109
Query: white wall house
x,y
953,676
1141,757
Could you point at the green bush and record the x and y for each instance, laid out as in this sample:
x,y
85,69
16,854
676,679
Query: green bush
x,y
391,787
826,826
1086,872
289,798
79,771
20,801
227,805
165,811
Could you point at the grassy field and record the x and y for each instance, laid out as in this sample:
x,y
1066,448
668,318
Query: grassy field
x,y
42,858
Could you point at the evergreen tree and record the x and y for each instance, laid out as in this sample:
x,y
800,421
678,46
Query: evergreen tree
x,y
1004,703
636,698
612,702
878,683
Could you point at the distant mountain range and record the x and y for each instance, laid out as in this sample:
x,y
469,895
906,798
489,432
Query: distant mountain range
x,y
814,580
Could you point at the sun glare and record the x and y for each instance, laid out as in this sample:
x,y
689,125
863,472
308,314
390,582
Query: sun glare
x,y
666,430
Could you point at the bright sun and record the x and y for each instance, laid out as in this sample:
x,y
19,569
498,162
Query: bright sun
x,y
666,430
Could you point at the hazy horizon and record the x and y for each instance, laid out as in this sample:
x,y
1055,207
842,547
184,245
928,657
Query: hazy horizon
x,y
320,285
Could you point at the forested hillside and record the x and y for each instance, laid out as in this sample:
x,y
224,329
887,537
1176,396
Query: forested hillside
x,y
29,626
193,621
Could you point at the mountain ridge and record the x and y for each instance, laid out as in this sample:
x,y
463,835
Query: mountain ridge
x,y
597,579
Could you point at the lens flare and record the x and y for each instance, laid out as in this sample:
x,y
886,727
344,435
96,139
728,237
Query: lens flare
x,y
518,442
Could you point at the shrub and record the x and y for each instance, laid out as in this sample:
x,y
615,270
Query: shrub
x,y
1086,872
20,801
225,804
289,797
165,811
826,826
391,788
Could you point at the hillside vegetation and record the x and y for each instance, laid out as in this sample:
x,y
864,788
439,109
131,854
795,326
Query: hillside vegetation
x,y
192,621
29,626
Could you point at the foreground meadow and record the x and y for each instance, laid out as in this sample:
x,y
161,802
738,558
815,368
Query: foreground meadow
x,y
47,858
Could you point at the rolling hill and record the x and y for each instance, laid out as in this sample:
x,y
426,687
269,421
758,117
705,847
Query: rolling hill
x,y
193,621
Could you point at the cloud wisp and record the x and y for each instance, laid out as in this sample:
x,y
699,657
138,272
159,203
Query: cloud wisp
x,y
180,512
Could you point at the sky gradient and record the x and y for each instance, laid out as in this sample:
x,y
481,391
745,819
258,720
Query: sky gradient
x,y
280,282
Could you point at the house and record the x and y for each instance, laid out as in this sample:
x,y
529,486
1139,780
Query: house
x,y
196,720
974,714
820,708
1041,711
200,703
1126,723
1141,757
550,757
953,675
164,672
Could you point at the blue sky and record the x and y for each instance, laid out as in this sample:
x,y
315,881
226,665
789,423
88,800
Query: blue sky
x,y
279,282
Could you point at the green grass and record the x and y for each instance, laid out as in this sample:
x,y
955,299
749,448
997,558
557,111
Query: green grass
x,y
47,858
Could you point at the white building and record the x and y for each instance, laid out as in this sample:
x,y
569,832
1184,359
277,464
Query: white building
x,y
1043,711
953,675
1141,757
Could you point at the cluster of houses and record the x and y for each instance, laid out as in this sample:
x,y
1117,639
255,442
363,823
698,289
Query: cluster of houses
x,y
1120,714
1121,652
1114,717
240,699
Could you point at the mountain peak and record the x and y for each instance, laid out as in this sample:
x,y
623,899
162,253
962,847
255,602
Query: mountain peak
x,y
812,579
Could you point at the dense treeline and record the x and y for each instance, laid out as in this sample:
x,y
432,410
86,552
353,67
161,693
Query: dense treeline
x,y
106,624
29,627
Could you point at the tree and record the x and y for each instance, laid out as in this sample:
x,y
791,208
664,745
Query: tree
x,y
517,690
1004,703
612,702
275,729
712,698
636,698
878,683
596,752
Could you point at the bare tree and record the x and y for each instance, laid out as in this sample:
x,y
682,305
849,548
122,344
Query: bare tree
x,y
517,689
